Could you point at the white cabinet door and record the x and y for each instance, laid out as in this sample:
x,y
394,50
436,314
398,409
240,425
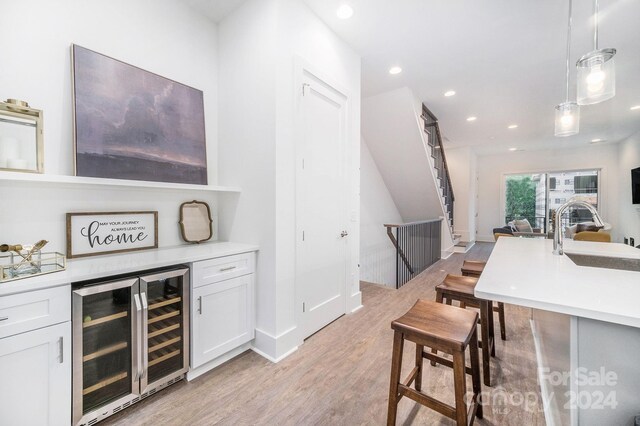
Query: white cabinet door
x,y
35,372
222,318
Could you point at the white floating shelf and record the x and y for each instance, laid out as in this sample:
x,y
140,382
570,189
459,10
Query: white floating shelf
x,y
91,181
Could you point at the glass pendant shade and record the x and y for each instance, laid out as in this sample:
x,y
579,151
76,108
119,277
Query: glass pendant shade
x,y
567,119
596,77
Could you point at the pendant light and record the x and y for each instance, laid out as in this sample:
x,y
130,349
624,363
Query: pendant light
x,y
567,113
596,71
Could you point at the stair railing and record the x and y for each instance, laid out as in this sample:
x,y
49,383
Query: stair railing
x,y
417,247
434,139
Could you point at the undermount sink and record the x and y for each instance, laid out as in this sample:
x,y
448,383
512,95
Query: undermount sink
x,y
623,263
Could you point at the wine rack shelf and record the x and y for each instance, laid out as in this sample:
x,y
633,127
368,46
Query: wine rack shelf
x,y
164,344
155,304
162,329
164,357
105,382
105,351
163,316
102,320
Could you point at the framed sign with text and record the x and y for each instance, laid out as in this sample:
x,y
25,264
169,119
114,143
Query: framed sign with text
x,y
92,234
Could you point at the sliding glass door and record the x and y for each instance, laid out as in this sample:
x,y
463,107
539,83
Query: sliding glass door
x,y
565,185
537,196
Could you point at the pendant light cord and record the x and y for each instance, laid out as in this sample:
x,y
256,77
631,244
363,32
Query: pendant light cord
x,y
569,49
595,33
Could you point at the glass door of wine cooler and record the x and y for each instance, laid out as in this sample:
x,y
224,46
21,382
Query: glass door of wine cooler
x,y
105,347
165,327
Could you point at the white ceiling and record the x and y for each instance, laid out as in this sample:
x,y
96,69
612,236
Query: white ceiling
x,y
504,58
216,10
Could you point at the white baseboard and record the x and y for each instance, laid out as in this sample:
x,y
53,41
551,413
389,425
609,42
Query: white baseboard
x,y
270,358
446,253
197,372
276,348
355,302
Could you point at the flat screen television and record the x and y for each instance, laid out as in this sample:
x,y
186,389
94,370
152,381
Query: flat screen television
x,y
635,185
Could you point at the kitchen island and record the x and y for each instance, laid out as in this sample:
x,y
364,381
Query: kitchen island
x,y
585,322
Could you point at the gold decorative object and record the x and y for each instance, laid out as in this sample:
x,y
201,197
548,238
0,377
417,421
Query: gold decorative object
x,y
21,141
25,260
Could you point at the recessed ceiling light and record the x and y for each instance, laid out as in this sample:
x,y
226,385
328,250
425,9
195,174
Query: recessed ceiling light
x,y
472,118
596,140
395,70
635,107
513,126
513,149
344,11
450,93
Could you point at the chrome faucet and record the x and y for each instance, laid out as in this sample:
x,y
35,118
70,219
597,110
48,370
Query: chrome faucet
x,y
558,234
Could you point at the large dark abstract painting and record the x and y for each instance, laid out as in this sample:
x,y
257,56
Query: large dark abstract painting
x,y
133,124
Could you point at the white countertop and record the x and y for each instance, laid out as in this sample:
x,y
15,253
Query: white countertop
x,y
524,271
89,268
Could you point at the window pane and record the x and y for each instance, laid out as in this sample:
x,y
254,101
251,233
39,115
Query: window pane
x,y
526,199
569,184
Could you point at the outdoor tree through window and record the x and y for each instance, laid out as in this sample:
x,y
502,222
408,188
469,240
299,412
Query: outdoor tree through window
x,y
536,196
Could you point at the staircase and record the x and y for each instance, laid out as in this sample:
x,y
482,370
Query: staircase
x,y
434,142
405,143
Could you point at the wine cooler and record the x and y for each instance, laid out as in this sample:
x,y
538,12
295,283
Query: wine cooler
x,y
130,339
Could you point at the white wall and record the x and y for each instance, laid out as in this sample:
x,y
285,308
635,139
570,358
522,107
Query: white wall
x,y
394,136
492,168
377,254
259,46
629,158
304,40
246,43
165,37
462,163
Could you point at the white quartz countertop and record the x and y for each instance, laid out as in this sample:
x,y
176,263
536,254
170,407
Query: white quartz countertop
x,y
89,268
524,271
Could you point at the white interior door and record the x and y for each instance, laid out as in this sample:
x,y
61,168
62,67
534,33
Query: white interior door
x,y
321,217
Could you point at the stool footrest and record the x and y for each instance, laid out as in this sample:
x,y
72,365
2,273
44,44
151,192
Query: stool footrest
x,y
428,401
411,377
444,361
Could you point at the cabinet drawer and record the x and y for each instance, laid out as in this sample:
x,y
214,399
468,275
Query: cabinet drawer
x,y
222,268
34,309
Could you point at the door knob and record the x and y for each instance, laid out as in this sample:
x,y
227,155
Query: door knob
x,y
344,234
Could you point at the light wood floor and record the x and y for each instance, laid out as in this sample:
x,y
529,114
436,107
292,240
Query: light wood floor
x,y
340,376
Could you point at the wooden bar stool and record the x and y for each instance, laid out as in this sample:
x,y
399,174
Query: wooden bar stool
x,y
473,268
448,329
459,288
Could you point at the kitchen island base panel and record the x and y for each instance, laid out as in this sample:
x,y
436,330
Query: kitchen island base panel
x,y
602,359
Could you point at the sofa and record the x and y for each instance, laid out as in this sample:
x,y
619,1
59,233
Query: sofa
x,y
570,231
